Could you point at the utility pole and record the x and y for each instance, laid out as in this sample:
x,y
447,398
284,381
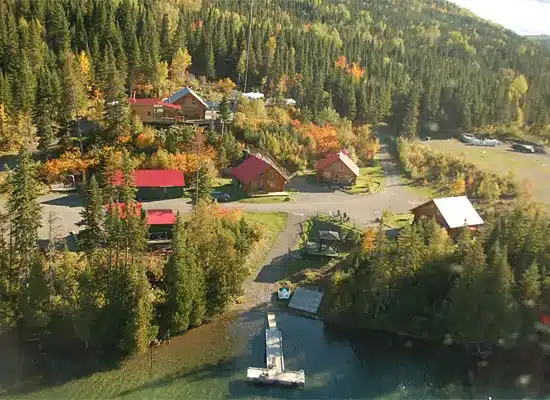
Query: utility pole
x,y
248,46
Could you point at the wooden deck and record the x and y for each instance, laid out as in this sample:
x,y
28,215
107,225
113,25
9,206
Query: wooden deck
x,y
275,372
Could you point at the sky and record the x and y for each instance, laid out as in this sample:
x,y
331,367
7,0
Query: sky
x,y
526,17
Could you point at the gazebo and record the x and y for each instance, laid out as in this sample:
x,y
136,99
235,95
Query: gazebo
x,y
329,239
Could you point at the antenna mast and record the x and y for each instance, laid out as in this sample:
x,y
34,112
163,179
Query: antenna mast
x,y
248,46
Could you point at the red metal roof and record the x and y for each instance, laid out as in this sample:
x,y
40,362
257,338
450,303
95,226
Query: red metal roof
x,y
250,169
153,102
154,217
161,217
153,178
331,158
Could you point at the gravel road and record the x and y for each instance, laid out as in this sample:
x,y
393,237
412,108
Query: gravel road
x,y
310,200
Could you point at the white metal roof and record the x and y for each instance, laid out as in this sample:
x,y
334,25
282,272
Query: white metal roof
x,y
458,211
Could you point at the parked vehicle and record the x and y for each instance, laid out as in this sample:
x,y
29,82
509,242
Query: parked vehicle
x,y
523,148
221,197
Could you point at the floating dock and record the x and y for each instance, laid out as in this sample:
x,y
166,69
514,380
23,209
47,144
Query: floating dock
x,y
275,372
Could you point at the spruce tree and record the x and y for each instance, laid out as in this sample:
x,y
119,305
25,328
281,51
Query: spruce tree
x,y
183,275
410,119
44,110
117,110
25,213
210,63
224,110
93,215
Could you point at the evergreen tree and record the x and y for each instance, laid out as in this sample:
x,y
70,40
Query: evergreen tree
x,y
410,120
183,275
165,41
25,213
531,285
224,110
203,187
210,63
93,214
350,106
117,110
44,110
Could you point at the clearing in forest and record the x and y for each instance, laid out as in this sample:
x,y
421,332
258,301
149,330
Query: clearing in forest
x,y
534,168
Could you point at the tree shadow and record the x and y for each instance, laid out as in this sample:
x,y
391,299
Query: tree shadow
x,y
277,269
69,200
222,369
25,368
68,242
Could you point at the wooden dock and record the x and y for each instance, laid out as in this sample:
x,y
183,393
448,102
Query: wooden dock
x,y
275,372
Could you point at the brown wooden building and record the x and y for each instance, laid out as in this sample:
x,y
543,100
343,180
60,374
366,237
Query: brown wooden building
x,y
452,213
337,168
260,174
155,111
192,105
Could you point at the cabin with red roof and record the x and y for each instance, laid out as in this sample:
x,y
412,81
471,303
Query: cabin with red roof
x,y
337,168
155,111
260,174
154,184
160,222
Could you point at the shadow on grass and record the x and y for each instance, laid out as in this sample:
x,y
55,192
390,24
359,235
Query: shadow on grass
x,y
25,369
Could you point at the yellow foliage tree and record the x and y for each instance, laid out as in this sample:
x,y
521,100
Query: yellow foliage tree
x,y
226,85
146,138
85,70
180,63
369,240
459,186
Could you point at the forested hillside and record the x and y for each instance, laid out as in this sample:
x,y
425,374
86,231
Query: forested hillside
x,y
418,65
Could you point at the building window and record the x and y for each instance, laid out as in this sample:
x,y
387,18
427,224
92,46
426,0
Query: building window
x,y
148,113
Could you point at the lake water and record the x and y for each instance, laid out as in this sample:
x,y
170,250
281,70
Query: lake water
x,y
210,362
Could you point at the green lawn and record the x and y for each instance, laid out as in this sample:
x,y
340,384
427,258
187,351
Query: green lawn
x,y
274,222
534,168
418,188
370,179
225,185
398,221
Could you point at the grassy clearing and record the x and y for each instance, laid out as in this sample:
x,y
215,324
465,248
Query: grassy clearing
x,y
398,221
370,179
272,224
225,185
422,190
534,168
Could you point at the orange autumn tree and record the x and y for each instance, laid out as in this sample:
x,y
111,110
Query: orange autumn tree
x,y
325,137
70,162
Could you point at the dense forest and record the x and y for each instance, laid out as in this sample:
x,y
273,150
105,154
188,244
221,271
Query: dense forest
x,y
420,66
482,289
